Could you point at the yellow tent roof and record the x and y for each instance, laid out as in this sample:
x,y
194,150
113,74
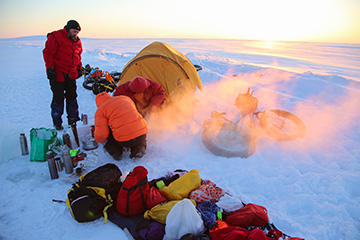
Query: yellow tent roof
x,y
164,64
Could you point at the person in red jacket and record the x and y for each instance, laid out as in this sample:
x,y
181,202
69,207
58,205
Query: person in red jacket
x,y
62,56
144,92
118,121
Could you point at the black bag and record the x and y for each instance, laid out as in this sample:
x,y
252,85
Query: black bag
x,y
91,197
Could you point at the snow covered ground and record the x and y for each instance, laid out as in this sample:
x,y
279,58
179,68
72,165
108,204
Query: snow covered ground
x,y
309,186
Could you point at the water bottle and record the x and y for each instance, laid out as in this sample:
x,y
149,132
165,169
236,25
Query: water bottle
x,y
84,119
59,164
66,140
23,144
52,167
67,160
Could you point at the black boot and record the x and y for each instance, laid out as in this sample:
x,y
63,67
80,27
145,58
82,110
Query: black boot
x,y
138,152
72,121
59,128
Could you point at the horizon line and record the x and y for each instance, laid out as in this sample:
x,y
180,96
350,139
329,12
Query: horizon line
x,y
239,39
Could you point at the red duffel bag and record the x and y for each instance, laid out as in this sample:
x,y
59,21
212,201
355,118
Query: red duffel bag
x,y
249,215
237,233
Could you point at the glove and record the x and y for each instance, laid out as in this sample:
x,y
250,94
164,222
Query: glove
x,y
51,75
80,72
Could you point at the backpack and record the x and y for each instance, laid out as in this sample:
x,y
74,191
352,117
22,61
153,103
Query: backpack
x,y
92,196
133,193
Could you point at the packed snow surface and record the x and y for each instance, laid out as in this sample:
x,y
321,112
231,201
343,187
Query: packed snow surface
x,y
310,186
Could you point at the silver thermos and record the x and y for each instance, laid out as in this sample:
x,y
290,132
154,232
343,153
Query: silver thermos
x,y
52,167
84,119
23,144
59,164
67,161
66,140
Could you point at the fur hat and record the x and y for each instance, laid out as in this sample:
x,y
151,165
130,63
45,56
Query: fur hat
x,y
72,24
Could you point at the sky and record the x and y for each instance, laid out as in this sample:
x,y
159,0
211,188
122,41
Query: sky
x,y
293,20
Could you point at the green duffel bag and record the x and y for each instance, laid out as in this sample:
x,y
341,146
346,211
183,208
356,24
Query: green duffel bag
x,y
42,140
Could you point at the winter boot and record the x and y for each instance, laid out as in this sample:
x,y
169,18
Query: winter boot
x,y
117,156
72,111
138,152
72,121
59,128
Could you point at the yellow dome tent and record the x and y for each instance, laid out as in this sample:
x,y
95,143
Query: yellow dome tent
x,y
165,65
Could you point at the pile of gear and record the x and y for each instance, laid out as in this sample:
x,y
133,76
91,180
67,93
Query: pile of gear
x,y
98,80
179,205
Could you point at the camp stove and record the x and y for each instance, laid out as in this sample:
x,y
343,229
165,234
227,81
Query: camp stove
x,y
89,143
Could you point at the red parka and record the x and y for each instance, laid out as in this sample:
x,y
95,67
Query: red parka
x,y
154,93
121,115
63,54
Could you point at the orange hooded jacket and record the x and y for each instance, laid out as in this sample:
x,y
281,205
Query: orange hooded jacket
x,y
121,115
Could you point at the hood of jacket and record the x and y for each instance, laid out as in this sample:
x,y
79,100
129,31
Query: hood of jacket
x,y
139,84
101,98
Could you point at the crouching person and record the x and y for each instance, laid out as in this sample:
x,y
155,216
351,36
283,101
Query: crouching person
x,y
118,121
146,93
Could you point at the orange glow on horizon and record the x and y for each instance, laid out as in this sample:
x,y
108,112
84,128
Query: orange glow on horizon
x,y
298,20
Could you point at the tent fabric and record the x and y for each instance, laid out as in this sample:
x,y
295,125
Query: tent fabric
x,y
165,65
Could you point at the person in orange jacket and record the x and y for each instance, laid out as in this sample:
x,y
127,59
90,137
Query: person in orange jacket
x,y
145,92
118,121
